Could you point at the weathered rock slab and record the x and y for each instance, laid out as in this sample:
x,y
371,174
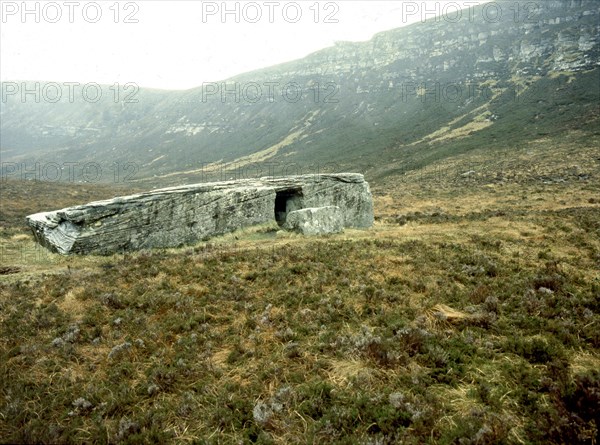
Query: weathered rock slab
x,y
178,216
315,221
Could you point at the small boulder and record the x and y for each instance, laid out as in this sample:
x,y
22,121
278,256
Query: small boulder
x,y
315,221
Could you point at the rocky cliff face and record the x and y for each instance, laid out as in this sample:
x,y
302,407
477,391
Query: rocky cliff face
x,y
553,31
352,105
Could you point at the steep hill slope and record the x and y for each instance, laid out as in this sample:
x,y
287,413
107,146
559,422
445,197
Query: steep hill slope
x,y
406,98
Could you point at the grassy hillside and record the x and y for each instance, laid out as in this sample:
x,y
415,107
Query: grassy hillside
x,y
468,314
407,97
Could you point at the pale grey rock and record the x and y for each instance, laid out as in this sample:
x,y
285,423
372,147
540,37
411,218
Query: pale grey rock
x,y
315,221
178,216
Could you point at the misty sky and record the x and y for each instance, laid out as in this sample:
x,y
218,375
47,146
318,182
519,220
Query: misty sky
x,y
181,44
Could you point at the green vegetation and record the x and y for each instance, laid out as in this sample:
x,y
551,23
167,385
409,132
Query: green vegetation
x,y
468,314
393,97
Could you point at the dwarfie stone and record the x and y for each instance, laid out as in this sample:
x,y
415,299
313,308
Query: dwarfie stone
x,y
178,216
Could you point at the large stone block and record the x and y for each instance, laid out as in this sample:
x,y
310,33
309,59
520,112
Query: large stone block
x,y
315,221
184,215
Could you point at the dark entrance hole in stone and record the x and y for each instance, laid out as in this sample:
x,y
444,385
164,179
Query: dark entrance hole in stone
x,y
287,201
